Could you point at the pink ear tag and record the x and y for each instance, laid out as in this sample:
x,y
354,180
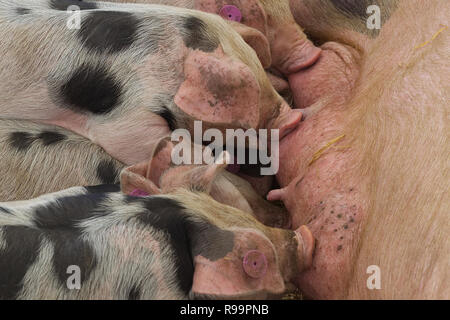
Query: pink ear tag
x,y
255,264
139,193
230,12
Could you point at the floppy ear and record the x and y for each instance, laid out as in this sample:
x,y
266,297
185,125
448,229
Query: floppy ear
x,y
202,177
219,89
257,40
161,160
143,178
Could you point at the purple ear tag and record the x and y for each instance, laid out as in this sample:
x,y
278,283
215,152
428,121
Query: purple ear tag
x,y
139,193
230,12
255,264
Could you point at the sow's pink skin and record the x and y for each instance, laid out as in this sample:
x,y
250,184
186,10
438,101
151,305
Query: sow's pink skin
x,y
357,178
317,187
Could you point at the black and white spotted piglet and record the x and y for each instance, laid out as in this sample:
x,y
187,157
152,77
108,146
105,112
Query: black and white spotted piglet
x,y
37,159
124,75
96,243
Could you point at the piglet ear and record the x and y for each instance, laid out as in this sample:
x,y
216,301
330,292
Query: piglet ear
x,y
161,160
202,177
219,90
257,40
144,177
134,182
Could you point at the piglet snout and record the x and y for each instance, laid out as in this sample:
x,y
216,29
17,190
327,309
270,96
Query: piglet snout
x,y
287,121
306,246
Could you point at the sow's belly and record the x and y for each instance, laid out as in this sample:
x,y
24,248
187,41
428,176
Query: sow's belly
x,y
324,190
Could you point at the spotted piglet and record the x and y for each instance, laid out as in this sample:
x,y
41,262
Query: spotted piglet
x,y
98,243
160,176
37,159
291,51
128,74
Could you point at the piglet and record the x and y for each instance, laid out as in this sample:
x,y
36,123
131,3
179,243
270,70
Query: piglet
x,y
159,176
98,243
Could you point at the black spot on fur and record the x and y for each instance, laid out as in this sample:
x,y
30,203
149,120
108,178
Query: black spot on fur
x,y
109,31
167,215
4,210
355,8
209,240
196,35
21,248
71,249
59,222
168,116
22,11
135,293
64,4
188,238
91,89
21,140
107,172
105,188
67,212
51,137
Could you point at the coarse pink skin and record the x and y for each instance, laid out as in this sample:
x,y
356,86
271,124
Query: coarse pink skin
x,y
224,93
310,85
323,195
326,198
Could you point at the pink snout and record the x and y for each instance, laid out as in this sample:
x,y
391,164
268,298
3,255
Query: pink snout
x,y
306,247
301,58
298,82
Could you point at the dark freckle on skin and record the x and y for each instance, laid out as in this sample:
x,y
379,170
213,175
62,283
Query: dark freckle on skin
x,y
341,238
351,190
345,226
339,216
339,248
321,228
335,230
352,220
332,211
321,202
